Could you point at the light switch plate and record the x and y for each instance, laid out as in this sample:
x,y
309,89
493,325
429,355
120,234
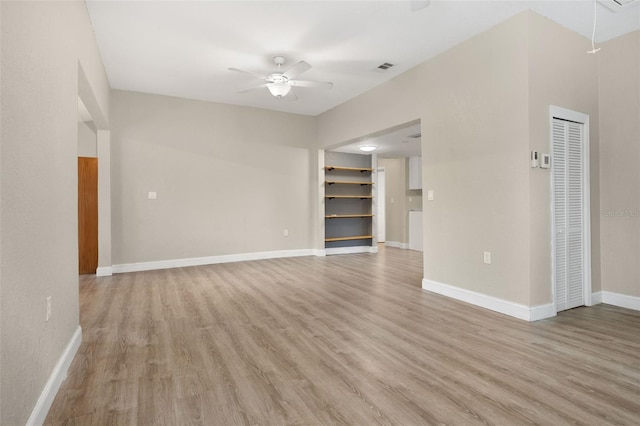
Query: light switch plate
x,y
153,195
430,195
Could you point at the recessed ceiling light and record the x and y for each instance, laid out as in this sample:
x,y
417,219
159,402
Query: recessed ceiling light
x,y
367,148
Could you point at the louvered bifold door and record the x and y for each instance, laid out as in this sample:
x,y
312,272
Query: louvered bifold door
x,y
568,214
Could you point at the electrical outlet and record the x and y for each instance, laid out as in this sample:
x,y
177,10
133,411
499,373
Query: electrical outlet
x,y
153,195
286,233
48,314
487,257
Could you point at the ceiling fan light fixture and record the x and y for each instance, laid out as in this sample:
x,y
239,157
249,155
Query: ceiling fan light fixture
x,y
367,148
279,83
279,90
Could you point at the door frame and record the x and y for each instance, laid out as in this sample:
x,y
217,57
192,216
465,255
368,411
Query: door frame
x,y
577,117
103,141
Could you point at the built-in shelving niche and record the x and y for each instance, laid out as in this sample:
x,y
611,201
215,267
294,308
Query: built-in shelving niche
x,y
349,191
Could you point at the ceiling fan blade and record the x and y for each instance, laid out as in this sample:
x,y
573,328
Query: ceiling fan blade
x,y
291,96
252,88
307,83
254,74
297,69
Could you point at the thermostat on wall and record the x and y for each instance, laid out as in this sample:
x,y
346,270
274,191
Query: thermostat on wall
x,y
534,159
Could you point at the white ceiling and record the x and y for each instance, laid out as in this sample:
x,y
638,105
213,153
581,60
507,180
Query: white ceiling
x,y
184,48
391,143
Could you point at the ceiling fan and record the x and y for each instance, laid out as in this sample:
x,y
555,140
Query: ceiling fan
x,y
280,83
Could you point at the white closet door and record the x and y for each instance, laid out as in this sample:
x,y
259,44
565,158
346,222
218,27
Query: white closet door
x,y
568,213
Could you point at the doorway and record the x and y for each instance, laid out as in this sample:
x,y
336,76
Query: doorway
x,y
570,209
397,197
87,215
87,192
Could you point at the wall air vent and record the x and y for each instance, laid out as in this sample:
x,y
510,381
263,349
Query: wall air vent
x,y
385,66
416,136
619,5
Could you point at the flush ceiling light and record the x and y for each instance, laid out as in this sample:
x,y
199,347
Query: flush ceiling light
x,y
367,148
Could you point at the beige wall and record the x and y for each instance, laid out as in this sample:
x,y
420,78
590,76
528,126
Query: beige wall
x,y
414,199
229,179
395,189
561,73
473,105
87,140
619,64
104,199
42,45
483,106
474,134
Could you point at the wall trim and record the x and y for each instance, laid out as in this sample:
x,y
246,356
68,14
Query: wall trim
x,y
58,375
350,250
541,312
209,260
346,250
104,271
621,300
516,310
596,298
396,244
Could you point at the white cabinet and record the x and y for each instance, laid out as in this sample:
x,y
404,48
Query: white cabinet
x,y
415,172
415,230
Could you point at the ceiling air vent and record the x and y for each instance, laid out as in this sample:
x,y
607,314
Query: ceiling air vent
x,y
416,136
619,5
385,66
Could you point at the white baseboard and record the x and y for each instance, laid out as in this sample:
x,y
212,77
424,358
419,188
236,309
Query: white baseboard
x,y
104,271
396,244
58,375
621,300
516,310
596,298
209,260
350,250
541,312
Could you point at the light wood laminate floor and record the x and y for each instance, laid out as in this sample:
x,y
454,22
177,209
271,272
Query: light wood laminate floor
x,y
346,339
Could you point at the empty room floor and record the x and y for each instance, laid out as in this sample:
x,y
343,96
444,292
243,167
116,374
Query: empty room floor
x,y
348,339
